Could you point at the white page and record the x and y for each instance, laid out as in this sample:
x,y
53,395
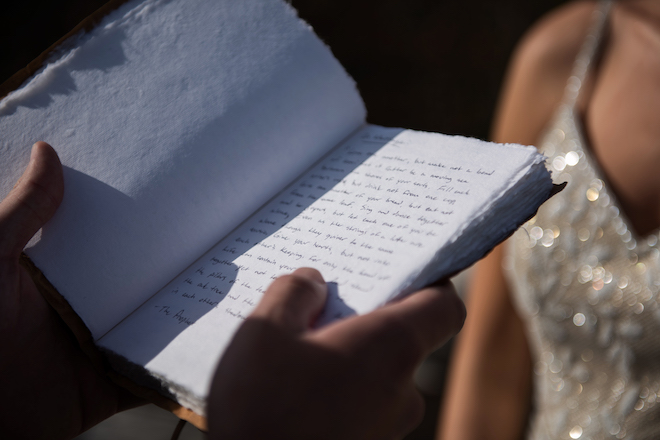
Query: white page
x,y
370,232
174,121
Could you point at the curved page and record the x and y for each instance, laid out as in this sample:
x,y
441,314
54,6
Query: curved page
x,y
387,209
174,120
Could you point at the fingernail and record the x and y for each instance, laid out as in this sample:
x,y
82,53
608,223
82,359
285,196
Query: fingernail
x,y
33,151
311,274
464,309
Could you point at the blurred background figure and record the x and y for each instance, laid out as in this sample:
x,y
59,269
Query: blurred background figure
x,y
424,64
561,339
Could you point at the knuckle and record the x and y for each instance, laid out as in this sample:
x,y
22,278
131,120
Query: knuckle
x,y
409,341
291,299
448,314
458,312
409,413
37,199
415,411
294,285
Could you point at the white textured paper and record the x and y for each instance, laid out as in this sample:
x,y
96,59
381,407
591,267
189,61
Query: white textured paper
x,y
174,121
372,216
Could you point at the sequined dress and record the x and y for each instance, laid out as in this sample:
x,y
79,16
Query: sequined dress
x,y
587,289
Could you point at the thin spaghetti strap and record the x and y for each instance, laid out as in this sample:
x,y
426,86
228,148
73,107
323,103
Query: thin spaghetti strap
x,y
587,52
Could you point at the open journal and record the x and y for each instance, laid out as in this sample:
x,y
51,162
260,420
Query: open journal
x,y
210,147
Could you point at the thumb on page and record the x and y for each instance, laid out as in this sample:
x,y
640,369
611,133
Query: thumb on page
x,y
33,200
294,301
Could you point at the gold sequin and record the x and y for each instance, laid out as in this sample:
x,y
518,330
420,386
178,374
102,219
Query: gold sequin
x,y
576,432
571,158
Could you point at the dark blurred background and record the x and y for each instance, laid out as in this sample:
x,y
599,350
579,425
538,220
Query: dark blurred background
x,y
433,65
426,64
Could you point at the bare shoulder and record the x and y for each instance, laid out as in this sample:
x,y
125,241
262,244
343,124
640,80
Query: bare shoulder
x,y
554,41
538,71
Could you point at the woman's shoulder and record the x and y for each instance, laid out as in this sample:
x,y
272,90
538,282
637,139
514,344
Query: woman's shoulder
x,y
539,69
555,40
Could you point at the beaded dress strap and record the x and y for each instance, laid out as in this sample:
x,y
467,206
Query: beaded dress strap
x,y
587,53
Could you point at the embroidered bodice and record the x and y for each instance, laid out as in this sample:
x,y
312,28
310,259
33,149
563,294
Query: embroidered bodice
x,y
587,289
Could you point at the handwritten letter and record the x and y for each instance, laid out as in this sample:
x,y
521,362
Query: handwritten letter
x,y
365,217
371,216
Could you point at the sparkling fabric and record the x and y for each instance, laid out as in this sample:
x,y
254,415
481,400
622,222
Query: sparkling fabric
x,y
587,289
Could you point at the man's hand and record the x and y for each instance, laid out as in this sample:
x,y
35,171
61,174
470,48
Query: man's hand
x,y
279,378
352,379
49,388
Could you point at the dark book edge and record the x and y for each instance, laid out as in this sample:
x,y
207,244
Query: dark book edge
x,y
135,379
17,79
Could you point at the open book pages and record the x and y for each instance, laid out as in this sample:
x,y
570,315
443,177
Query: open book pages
x,y
385,213
210,147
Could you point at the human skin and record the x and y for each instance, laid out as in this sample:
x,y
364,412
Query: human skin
x,y
490,375
280,378
50,388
